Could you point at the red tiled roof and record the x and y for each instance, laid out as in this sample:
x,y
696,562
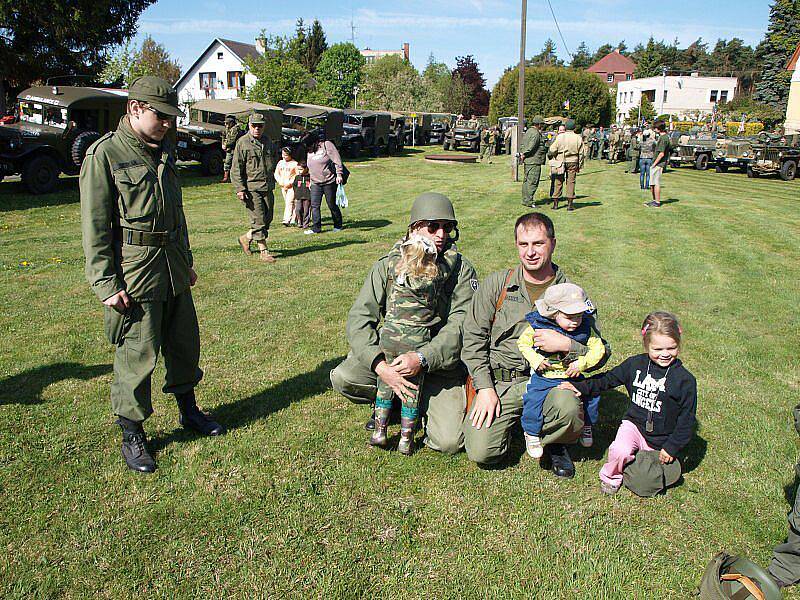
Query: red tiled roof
x,y
793,61
613,62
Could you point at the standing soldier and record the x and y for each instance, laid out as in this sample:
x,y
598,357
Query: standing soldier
x,y
139,264
635,151
229,138
601,142
533,153
567,148
484,143
595,143
253,175
613,145
492,144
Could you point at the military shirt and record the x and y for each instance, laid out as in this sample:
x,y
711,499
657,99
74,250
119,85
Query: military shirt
x,y
568,144
229,138
533,148
124,185
254,162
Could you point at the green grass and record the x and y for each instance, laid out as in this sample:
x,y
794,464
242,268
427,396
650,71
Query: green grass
x,y
292,502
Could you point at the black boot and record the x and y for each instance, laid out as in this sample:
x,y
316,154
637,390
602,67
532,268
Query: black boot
x,y
134,446
561,463
193,418
370,424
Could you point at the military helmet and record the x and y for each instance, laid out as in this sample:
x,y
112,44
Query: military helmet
x,y
728,576
537,120
432,206
570,125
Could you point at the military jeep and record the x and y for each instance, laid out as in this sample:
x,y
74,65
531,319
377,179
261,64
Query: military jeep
x,y
775,155
300,119
55,127
366,130
201,138
418,128
733,152
440,125
466,133
697,152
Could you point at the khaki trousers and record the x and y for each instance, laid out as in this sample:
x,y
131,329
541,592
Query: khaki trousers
x,y
570,172
260,206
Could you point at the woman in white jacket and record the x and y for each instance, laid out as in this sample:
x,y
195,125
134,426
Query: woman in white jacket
x,y
285,173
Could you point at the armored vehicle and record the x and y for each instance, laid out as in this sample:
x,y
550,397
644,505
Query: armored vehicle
x,y
299,119
775,155
440,125
367,130
55,127
733,152
418,128
201,138
694,151
466,133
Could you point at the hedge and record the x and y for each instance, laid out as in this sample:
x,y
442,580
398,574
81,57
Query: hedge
x,y
731,127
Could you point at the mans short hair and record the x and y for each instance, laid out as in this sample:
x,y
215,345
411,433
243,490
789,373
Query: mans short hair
x,y
660,126
532,220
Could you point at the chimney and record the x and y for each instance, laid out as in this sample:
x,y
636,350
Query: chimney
x,y
406,54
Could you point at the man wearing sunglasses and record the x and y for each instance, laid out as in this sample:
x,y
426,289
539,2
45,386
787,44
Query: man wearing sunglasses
x,y
139,264
442,402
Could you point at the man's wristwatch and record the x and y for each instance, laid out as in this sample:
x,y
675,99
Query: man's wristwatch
x,y
423,362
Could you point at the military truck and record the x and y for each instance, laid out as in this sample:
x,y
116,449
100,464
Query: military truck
x,y
300,119
366,130
418,128
397,131
440,125
775,154
466,133
55,127
694,151
733,152
201,138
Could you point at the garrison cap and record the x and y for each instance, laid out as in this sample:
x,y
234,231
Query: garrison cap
x,y
256,119
646,476
157,92
566,298
230,118
538,120
570,125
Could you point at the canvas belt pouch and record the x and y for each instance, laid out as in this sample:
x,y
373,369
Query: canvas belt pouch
x,y
509,375
134,237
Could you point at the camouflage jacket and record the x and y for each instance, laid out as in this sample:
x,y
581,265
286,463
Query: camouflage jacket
x,y
229,137
443,351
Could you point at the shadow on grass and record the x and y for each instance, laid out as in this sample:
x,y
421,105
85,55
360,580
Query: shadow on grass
x,y
670,201
242,412
315,248
15,196
368,224
790,489
26,388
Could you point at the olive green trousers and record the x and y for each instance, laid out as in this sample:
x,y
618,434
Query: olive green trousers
x,y
441,402
531,183
260,209
785,563
146,329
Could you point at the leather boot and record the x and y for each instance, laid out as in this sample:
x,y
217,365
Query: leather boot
x,y
195,419
226,177
379,437
406,444
370,424
555,204
560,461
569,204
134,446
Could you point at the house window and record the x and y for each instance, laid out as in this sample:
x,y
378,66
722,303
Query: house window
x,y
628,77
208,80
235,80
723,96
665,95
714,95
610,78
219,55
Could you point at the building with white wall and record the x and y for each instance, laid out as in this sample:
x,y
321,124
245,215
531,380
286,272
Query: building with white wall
x,y
792,124
682,96
372,55
218,73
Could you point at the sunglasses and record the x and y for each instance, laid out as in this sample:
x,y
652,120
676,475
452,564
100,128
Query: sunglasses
x,y
159,115
434,226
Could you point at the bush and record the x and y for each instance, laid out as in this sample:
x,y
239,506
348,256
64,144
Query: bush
x,y
546,89
731,127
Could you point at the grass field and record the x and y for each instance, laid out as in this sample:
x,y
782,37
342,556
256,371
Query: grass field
x,y
292,502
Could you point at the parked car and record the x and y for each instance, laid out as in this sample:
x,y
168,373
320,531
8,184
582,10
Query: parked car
x,y
697,152
775,155
55,127
418,128
367,130
440,125
733,152
299,119
466,133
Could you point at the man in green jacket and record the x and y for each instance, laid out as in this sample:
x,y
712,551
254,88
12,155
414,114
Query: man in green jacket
x,y
229,138
442,401
533,153
253,174
785,565
500,372
139,264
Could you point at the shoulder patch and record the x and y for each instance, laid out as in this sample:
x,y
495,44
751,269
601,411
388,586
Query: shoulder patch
x,y
473,283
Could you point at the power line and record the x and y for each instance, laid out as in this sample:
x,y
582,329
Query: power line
x,y
552,12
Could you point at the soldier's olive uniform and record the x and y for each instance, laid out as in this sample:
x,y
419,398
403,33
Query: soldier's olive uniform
x,y
232,132
253,172
484,144
785,565
492,150
614,141
494,361
135,239
442,399
534,153
635,150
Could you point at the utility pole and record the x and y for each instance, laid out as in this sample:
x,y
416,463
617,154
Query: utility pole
x,y
663,87
520,90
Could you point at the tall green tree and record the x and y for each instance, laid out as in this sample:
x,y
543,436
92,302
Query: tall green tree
x,y
317,45
783,35
339,72
45,38
151,58
547,57
582,59
601,52
467,69
281,79
384,79
648,61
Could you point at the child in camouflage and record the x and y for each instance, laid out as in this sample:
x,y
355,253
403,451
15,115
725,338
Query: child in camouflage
x,y
410,314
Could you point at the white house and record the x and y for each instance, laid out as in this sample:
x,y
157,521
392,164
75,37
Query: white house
x,y
683,96
218,73
792,124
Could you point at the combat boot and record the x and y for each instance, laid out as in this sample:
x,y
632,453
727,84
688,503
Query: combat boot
x,y
134,446
226,177
406,444
569,204
370,424
555,204
379,437
195,419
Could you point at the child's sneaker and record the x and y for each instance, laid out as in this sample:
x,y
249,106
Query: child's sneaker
x,y
533,445
608,489
586,436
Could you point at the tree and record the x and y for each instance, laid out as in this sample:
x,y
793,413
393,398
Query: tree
x,y
383,83
546,90
467,70
649,61
281,79
601,52
298,45
646,110
339,71
582,59
46,38
783,35
151,59
457,97
547,57
317,45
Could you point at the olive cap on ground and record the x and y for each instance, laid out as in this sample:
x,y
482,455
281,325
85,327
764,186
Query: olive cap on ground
x,y
646,476
157,92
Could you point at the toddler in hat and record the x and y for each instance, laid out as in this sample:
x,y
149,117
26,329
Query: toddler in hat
x,y
566,309
663,393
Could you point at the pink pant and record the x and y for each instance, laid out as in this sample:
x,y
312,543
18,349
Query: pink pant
x,y
629,440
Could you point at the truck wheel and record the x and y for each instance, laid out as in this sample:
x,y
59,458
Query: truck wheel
x,y
701,162
81,144
391,147
212,161
721,168
40,174
354,151
788,170
750,173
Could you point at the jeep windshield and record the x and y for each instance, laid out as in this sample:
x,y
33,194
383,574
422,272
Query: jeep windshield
x,y
43,114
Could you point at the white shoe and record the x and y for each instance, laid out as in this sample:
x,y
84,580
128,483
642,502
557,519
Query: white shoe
x,y
337,229
310,232
586,436
533,445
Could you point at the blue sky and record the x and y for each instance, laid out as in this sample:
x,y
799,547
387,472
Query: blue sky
x,y
487,29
